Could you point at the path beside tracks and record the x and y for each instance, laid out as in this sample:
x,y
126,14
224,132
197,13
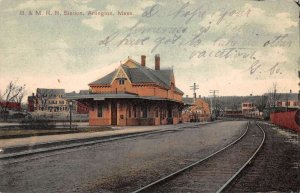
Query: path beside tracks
x,y
14,148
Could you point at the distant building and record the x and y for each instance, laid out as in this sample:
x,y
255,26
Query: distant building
x,y
228,112
79,107
289,100
250,110
10,105
247,107
197,110
53,101
134,94
31,103
48,100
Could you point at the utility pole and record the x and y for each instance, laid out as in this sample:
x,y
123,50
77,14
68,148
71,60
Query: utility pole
x,y
194,87
70,108
213,108
298,3
274,98
286,101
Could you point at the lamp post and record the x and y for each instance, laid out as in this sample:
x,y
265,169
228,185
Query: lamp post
x,y
70,108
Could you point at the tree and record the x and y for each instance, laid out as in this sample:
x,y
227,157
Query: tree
x,y
262,104
12,93
43,96
273,96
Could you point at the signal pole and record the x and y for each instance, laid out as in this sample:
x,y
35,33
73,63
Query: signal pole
x,y
194,87
213,108
298,3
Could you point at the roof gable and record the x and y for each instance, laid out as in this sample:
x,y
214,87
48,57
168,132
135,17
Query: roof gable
x,y
131,63
120,74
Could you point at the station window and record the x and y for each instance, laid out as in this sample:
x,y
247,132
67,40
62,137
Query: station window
x,y
100,110
156,112
134,111
129,111
144,112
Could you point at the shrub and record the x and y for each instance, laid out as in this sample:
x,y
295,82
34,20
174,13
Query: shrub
x,y
37,123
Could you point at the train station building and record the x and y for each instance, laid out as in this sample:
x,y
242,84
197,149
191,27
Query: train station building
x,y
134,94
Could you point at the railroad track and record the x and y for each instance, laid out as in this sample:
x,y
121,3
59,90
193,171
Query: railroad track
x,y
52,150
215,172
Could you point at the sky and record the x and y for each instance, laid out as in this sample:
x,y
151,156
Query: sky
x,y
238,47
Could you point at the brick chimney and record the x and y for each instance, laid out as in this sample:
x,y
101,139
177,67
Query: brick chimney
x,y
143,60
157,62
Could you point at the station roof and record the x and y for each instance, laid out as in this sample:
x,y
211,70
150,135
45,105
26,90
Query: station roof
x,y
141,74
50,91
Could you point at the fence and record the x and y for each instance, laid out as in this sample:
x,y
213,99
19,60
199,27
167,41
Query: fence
x,y
289,119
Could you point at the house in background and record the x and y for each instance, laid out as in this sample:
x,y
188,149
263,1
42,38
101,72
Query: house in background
x,y
289,100
31,101
15,106
134,94
229,112
53,101
48,100
249,109
79,107
197,110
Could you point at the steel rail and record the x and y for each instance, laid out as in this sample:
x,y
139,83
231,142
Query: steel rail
x,y
247,162
163,179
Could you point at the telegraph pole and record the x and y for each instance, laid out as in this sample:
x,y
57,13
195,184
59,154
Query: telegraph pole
x,y
213,108
298,3
194,87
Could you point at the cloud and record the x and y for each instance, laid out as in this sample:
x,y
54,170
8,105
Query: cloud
x,y
61,44
94,22
251,17
273,24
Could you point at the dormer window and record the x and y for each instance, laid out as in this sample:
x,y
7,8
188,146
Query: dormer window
x,y
121,81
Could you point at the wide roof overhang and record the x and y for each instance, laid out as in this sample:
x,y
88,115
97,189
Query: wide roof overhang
x,y
104,96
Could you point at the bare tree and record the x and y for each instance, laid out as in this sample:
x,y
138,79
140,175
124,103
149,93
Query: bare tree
x,y
43,96
12,93
273,96
262,104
